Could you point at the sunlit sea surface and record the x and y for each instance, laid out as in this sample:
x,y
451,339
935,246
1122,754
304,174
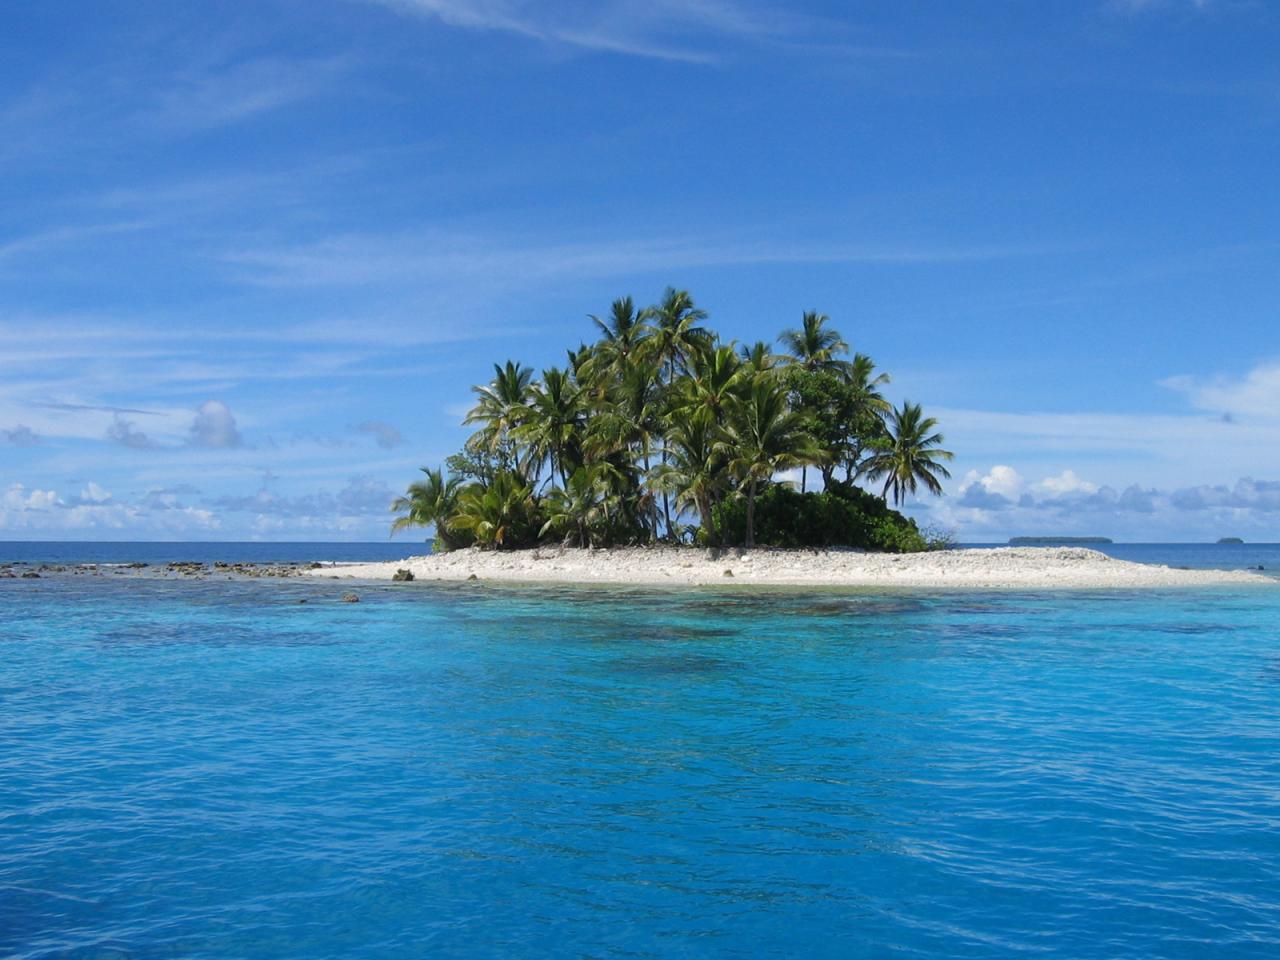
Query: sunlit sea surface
x,y
213,769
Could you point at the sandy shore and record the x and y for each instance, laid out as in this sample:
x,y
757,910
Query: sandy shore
x,y
1028,567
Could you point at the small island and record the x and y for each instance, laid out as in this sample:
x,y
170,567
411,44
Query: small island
x,y
1231,540
665,455
1057,541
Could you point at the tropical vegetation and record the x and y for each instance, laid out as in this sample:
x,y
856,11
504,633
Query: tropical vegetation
x,y
661,430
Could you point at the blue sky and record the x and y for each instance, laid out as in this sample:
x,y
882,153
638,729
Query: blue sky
x,y
253,255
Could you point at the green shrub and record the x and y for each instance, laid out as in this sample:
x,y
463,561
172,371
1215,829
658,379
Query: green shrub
x,y
842,516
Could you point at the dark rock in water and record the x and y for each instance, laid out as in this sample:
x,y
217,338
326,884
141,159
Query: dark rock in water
x,y
350,598
303,600
728,573
403,575
316,565
473,577
31,575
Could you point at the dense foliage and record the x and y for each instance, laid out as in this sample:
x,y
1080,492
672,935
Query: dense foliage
x,y
843,515
660,422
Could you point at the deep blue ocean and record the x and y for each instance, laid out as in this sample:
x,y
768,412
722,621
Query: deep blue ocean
x,y
212,769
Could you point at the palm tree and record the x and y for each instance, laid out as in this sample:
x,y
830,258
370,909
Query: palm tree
x,y
764,436
676,339
758,357
715,379
815,346
628,417
908,454
581,508
499,515
500,409
677,336
871,409
552,420
622,333
429,501
695,472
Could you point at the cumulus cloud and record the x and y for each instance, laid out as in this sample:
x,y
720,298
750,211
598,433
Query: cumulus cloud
x,y
1003,502
1246,494
363,496
92,493
20,436
18,499
1066,484
122,431
215,426
95,509
384,434
996,490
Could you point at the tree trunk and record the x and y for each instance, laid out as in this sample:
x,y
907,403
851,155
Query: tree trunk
x,y
804,477
708,521
653,533
751,515
666,506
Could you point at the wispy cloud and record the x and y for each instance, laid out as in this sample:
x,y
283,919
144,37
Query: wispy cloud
x,y
216,95
659,29
1141,6
42,241
428,257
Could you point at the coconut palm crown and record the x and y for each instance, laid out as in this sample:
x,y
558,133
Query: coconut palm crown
x,y
660,421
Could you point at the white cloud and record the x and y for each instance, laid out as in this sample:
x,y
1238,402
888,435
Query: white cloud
x,y
18,499
92,493
1003,480
1065,484
1255,396
1000,503
215,426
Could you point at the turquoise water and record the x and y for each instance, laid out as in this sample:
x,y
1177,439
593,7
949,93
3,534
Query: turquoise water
x,y
215,770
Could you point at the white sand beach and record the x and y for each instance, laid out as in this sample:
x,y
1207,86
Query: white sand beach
x,y
1009,567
